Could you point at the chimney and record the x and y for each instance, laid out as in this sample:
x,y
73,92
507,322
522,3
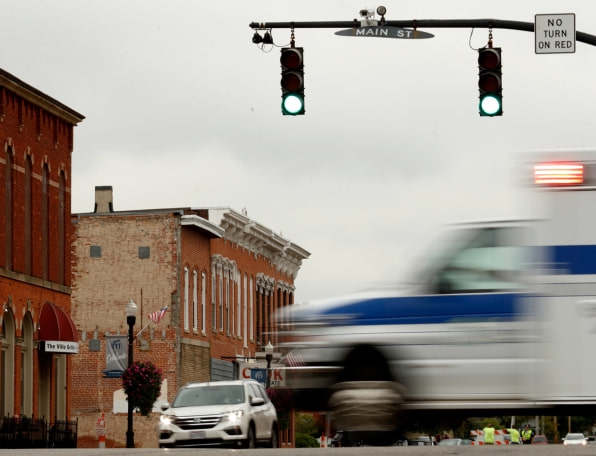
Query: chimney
x,y
103,199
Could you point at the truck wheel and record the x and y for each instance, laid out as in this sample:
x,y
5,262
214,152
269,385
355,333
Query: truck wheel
x,y
367,399
365,364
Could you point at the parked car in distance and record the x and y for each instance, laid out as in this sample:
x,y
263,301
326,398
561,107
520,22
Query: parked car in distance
x,y
574,438
234,413
539,440
455,442
422,440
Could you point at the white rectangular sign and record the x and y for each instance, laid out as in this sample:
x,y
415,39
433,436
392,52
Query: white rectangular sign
x,y
56,346
554,33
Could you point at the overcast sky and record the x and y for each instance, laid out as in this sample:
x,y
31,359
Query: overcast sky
x,y
182,109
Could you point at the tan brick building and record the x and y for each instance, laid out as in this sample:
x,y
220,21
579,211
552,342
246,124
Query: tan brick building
x,y
37,338
221,275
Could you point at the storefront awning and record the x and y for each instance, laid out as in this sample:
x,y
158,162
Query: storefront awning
x,y
56,331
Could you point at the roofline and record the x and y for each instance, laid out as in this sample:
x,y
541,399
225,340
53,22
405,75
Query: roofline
x,y
201,223
43,100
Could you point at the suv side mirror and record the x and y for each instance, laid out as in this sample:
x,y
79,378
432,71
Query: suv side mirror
x,y
164,406
256,401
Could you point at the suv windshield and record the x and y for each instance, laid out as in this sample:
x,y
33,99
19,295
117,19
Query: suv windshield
x,y
209,395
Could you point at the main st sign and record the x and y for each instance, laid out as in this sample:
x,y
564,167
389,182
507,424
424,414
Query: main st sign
x,y
385,31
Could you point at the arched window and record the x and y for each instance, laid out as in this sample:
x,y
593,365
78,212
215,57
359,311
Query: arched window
x,y
186,298
27,367
8,351
62,228
28,203
203,302
195,298
245,302
45,220
250,310
8,208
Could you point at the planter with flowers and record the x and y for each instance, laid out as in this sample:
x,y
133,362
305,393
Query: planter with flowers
x,y
142,384
282,400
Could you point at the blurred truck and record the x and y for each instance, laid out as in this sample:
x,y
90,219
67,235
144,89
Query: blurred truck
x,y
499,322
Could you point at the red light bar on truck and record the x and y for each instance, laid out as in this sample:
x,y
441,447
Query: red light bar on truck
x,y
559,173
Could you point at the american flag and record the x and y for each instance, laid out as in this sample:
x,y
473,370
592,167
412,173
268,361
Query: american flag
x,y
156,317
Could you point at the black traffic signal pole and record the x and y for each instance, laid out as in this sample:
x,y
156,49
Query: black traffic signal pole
x,y
419,24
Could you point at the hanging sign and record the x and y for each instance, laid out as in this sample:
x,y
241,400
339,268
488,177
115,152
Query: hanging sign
x,y
385,31
554,33
57,346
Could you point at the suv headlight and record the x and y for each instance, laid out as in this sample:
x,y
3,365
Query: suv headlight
x,y
166,419
235,415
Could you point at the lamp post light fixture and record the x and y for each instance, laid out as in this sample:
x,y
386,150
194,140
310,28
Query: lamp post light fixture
x,y
268,357
131,318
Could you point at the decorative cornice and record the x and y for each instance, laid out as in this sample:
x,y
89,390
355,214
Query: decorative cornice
x,y
285,255
202,224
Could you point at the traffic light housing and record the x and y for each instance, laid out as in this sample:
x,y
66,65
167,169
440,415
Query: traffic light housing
x,y
490,82
292,81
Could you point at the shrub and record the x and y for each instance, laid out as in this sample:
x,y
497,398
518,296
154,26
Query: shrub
x,y
306,441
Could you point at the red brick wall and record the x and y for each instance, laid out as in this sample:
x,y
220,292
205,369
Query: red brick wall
x,y
27,130
101,289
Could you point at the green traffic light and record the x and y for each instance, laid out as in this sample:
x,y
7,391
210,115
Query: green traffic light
x,y
292,104
490,105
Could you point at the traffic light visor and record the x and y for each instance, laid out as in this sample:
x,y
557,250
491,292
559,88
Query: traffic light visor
x,y
489,59
490,105
291,58
489,82
292,104
291,81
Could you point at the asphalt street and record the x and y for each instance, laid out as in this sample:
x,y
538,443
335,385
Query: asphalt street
x,y
527,450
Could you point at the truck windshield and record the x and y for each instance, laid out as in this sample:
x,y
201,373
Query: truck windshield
x,y
479,260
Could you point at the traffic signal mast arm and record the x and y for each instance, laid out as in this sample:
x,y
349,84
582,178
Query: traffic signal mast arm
x,y
420,24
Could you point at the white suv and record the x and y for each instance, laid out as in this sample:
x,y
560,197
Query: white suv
x,y
225,413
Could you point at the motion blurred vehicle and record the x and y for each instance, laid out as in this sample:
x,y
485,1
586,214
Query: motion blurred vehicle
x,y
575,439
226,413
492,315
591,440
539,440
455,442
344,439
336,440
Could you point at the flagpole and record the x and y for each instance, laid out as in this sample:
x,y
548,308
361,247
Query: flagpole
x,y
143,329
165,309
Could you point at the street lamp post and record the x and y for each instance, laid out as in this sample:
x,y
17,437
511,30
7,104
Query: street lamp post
x,y
268,357
131,318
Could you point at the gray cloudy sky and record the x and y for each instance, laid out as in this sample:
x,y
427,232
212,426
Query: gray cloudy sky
x,y
183,110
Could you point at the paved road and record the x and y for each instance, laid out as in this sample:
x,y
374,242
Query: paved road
x,y
527,450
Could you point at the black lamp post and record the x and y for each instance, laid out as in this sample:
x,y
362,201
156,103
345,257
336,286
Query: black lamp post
x,y
268,357
131,318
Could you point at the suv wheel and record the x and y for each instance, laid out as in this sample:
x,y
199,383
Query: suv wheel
x,y
274,441
251,441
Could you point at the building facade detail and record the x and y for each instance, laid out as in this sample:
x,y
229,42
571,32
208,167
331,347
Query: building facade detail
x,y
216,271
36,132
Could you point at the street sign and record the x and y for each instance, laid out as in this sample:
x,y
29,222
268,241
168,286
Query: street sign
x,y
554,33
384,31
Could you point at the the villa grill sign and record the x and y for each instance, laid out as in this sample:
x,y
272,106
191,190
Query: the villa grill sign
x,y
57,346
385,31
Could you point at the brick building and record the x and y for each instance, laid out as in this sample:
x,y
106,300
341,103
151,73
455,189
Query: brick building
x,y
220,274
38,338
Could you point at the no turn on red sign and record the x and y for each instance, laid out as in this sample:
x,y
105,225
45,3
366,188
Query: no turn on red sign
x,y
554,33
